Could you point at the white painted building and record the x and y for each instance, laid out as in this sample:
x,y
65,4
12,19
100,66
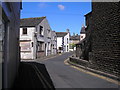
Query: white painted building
x,y
82,33
63,41
9,42
36,38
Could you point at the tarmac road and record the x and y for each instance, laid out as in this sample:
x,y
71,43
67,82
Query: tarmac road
x,y
64,76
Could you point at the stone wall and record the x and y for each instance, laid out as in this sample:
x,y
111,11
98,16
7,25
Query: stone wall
x,y
105,54
40,54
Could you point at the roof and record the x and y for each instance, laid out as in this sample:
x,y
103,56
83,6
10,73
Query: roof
x,y
88,13
61,34
31,21
76,37
82,30
81,41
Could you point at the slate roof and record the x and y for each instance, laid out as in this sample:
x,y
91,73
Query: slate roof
x,y
81,41
28,22
76,37
61,34
88,13
82,30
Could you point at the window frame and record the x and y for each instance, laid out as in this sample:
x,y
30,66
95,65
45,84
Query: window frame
x,y
23,31
41,31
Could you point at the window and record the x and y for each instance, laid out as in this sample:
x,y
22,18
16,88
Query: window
x,y
67,40
25,31
67,47
41,30
81,36
40,46
49,45
25,46
60,48
49,36
48,31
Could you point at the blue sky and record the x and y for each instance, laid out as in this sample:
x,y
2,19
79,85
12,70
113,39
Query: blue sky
x,y
60,15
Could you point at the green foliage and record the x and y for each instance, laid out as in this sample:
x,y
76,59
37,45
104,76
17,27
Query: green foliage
x,y
72,45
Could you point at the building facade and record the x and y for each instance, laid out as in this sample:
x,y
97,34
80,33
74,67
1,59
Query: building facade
x,y
63,41
105,55
9,42
101,44
73,41
82,33
80,47
53,43
36,38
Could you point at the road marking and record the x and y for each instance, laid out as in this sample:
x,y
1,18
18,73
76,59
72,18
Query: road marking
x,y
91,73
38,74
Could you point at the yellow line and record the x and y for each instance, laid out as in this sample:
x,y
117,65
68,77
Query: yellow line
x,y
91,73
42,76
33,66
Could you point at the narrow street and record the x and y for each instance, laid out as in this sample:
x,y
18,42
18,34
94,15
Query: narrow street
x,y
64,76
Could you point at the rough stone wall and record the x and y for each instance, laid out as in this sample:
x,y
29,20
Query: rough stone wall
x,y
105,37
78,50
40,54
88,31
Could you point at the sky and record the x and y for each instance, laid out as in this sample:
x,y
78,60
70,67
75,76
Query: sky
x,y
60,15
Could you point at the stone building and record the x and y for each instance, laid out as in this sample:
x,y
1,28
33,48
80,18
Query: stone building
x,y
36,38
74,40
9,42
105,55
82,33
80,46
101,44
53,43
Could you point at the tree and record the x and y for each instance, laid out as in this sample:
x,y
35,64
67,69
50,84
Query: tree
x,y
72,45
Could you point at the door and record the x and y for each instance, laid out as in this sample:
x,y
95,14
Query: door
x,y
45,50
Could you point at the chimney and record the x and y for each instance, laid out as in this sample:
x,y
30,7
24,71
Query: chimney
x,y
67,30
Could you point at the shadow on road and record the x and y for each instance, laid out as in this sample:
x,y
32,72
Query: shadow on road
x,y
33,75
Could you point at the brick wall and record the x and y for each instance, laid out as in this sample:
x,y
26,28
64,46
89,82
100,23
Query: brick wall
x,y
105,54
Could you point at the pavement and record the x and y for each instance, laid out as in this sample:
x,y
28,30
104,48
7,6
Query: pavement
x,y
32,75
65,76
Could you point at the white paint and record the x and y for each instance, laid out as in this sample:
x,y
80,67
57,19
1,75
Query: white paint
x,y
65,43
47,42
59,42
82,36
29,37
11,56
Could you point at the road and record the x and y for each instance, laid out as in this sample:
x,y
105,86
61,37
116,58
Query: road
x,y
64,76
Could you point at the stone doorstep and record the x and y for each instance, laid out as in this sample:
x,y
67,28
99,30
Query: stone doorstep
x,y
95,71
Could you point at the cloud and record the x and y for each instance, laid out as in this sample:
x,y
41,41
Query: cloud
x,y
61,7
